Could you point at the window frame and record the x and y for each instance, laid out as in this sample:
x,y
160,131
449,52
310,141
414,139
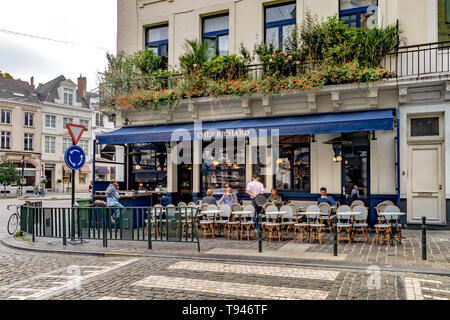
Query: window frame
x,y
5,138
86,126
358,11
26,123
70,142
83,141
278,24
217,34
293,146
65,122
99,120
159,43
50,116
10,116
439,137
68,95
51,138
27,137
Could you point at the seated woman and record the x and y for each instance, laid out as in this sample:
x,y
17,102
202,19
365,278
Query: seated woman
x,y
275,198
209,199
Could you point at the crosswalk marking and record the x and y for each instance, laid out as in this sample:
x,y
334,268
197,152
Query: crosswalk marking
x,y
414,289
231,288
272,271
51,282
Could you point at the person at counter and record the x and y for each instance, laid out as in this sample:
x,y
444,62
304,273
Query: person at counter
x,y
209,199
112,198
324,198
228,197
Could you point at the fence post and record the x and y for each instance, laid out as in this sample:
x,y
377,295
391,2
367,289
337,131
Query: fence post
x,y
424,238
105,231
335,236
64,227
259,233
149,226
72,229
32,224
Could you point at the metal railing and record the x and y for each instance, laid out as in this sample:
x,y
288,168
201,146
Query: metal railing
x,y
417,60
171,224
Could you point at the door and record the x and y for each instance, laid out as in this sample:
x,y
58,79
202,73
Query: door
x,y
49,177
425,184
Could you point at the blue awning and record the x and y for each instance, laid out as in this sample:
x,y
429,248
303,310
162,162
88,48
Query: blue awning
x,y
294,125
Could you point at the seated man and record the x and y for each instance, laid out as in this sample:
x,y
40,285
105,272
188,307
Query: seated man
x,y
228,197
209,199
324,198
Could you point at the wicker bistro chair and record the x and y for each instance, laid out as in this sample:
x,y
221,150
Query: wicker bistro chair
x,y
182,204
244,203
236,207
344,224
224,218
295,210
316,224
388,202
360,224
247,223
192,204
287,219
325,208
394,219
207,224
357,203
271,226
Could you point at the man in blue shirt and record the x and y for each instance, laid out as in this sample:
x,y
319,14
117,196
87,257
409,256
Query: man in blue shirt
x,y
324,198
112,198
228,197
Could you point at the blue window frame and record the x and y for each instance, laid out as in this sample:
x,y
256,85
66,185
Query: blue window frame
x,y
157,39
358,13
279,22
216,34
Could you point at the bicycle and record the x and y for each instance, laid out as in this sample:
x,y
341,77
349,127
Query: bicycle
x,y
14,220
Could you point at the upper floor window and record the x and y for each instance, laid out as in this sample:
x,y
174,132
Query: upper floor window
x,y
6,140
99,120
49,144
279,23
50,121
66,120
28,141
6,116
215,33
85,123
157,39
84,144
443,20
68,96
359,13
67,142
29,119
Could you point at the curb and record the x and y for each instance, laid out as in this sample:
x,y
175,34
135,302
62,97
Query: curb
x,y
14,245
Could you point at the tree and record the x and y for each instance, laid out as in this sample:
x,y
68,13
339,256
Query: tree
x,y
8,174
5,75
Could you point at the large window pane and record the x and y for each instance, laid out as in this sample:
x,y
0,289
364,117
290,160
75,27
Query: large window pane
x,y
157,34
287,32
351,4
211,46
443,20
215,24
223,45
282,12
272,36
164,50
425,127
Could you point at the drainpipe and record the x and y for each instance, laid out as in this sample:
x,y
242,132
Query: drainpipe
x,y
398,158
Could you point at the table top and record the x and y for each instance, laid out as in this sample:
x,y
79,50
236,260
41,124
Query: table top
x,y
310,213
391,213
348,213
276,212
241,212
211,211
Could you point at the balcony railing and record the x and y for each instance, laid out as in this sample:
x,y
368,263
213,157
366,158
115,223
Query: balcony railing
x,y
419,60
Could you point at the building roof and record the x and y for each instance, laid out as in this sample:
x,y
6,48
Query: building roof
x,y
17,90
48,92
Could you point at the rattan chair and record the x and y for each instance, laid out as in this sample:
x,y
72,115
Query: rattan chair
x,y
246,203
394,219
344,224
271,226
247,223
361,224
287,219
325,208
236,207
316,224
357,203
224,218
182,204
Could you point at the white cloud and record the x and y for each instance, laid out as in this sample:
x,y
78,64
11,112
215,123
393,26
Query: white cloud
x,y
89,24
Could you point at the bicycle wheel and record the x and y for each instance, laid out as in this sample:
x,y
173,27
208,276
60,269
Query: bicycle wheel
x,y
13,223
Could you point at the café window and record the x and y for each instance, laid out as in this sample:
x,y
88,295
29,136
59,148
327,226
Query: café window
x,y
279,23
157,40
259,164
223,166
359,13
215,33
149,166
293,164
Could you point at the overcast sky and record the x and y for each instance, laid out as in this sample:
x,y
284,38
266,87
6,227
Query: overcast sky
x,y
88,25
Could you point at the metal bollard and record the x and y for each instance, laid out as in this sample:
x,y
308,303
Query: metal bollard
x,y
424,238
259,233
335,236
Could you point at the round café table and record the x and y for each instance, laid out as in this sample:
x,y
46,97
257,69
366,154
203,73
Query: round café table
x,y
394,226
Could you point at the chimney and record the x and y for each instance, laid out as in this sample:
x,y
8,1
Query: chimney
x,y
82,83
32,87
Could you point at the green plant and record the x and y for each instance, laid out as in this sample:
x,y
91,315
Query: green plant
x,y
8,174
195,56
59,181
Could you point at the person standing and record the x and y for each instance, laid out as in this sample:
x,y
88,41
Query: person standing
x,y
228,197
112,199
255,188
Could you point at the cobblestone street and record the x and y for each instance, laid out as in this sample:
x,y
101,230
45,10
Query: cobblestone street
x,y
38,275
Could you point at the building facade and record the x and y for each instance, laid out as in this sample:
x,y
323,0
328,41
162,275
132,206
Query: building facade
x,y
405,162
20,127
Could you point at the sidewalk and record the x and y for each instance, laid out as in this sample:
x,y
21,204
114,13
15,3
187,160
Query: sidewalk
x,y
56,196
406,257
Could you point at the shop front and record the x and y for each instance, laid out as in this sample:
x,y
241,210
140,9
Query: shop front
x,y
296,154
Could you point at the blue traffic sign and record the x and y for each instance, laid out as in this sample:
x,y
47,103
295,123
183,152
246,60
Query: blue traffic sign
x,y
75,157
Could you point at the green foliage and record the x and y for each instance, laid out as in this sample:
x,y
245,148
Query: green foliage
x,y
195,56
147,62
6,75
8,174
225,67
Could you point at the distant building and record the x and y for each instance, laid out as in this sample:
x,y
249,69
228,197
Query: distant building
x,y
20,127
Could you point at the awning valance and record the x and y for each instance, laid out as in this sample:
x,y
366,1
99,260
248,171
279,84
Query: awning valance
x,y
359,121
